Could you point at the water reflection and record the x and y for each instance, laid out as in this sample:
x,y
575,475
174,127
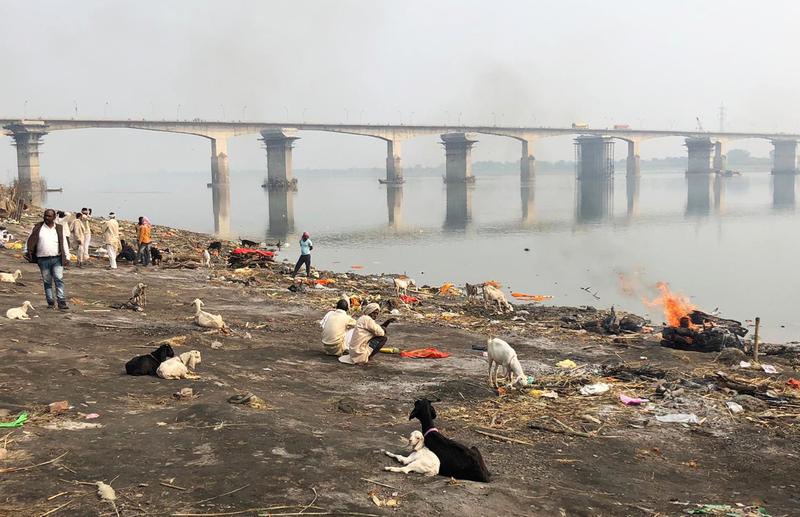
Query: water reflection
x,y
699,193
221,205
394,204
459,205
281,213
594,198
528,197
632,193
783,188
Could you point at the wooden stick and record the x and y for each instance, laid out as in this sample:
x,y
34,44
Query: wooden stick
x,y
542,427
164,483
306,507
379,483
257,509
222,495
755,339
17,469
57,495
54,510
501,437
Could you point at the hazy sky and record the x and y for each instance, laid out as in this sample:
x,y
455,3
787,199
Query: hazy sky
x,y
646,63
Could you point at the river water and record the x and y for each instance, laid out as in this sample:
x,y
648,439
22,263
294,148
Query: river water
x,y
728,243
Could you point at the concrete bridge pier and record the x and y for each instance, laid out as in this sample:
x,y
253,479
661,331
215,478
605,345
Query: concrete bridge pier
x,y
784,157
279,144
527,163
699,149
720,156
220,187
394,166
458,160
594,156
633,162
783,191
27,138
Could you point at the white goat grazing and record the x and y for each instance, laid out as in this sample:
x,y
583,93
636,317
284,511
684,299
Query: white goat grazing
x,y
401,285
20,313
501,354
206,319
421,459
180,367
9,277
494,296
206,262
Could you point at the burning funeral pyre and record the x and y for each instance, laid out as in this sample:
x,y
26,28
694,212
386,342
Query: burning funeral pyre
x,y
690,329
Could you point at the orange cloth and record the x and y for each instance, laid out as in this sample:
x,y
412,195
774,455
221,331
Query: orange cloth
x,y
425,353
794,383
408,299
143,234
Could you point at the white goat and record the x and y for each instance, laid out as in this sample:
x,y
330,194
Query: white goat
x,y
179,367
401,285
501,354
206,319
9,277
20,313
494,296
206,262
421,459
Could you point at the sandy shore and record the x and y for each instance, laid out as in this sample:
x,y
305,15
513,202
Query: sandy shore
x,y
321,435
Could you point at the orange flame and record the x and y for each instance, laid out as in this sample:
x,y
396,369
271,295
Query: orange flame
x,y
676,306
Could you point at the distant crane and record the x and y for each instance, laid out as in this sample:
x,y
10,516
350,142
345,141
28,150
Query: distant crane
x,y
699,125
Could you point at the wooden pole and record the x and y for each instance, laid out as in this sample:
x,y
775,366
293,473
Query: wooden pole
x,y
755,339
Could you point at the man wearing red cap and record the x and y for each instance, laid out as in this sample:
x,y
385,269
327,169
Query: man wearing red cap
x,y
305,255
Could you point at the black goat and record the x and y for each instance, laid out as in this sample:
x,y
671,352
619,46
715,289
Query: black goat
x,y
457,460
148,364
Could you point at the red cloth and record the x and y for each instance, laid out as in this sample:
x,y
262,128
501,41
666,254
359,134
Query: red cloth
x,y
794,383
425,353
241,251
408,299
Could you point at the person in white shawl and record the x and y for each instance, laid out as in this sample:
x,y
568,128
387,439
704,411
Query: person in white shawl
x,y
111,239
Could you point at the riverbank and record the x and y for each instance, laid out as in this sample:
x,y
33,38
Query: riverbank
x,y
325,423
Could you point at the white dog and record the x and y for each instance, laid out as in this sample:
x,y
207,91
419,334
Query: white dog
x,y
421,459
500,353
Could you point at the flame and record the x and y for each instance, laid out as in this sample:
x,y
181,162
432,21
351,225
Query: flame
x,y
676,306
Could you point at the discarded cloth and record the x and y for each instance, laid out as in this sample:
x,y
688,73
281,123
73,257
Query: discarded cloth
x,y
245,251
21,419
679,418
631,401
425,353
595,389
793,383
768,368
408,299
734,407
566,363
532,297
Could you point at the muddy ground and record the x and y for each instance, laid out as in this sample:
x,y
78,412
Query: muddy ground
x,y
327,422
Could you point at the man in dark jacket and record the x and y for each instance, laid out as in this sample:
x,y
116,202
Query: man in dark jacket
x,y
47,246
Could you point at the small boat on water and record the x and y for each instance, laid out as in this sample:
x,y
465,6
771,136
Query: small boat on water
x,y
59,189
391,182
727,173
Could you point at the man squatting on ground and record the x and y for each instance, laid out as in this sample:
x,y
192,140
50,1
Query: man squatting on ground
x,y
335,325
368,337
47,246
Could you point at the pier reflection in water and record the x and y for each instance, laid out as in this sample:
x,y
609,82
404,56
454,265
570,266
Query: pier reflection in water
x,y
528,197
281,213
594,198
704,193
459,205
632,184
394,205
783,191
221,205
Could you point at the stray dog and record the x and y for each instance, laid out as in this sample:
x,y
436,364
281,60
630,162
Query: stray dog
x,y
139,295
250,244
493,296
148,364
473,290
155,255
421,460
215,246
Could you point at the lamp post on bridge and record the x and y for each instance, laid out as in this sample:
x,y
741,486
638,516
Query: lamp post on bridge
x,y
25,109
105,110
222,108
178,113
286,109
244,109
346,115
304,115
75,104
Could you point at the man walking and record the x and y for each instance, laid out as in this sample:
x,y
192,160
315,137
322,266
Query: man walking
x,y
86,216
78,235
47,246
111,239
305,255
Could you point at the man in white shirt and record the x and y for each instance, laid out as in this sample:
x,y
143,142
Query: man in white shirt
x,y
47,246
334,328
111,239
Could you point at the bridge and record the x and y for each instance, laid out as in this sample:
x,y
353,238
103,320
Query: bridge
x,y
594,149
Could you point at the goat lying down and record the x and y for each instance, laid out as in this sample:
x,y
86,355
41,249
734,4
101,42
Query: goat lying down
x,y
180,367
500,353
20,313
455,460
420,460
148,364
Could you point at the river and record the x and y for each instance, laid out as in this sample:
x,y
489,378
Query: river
x,y
727,243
